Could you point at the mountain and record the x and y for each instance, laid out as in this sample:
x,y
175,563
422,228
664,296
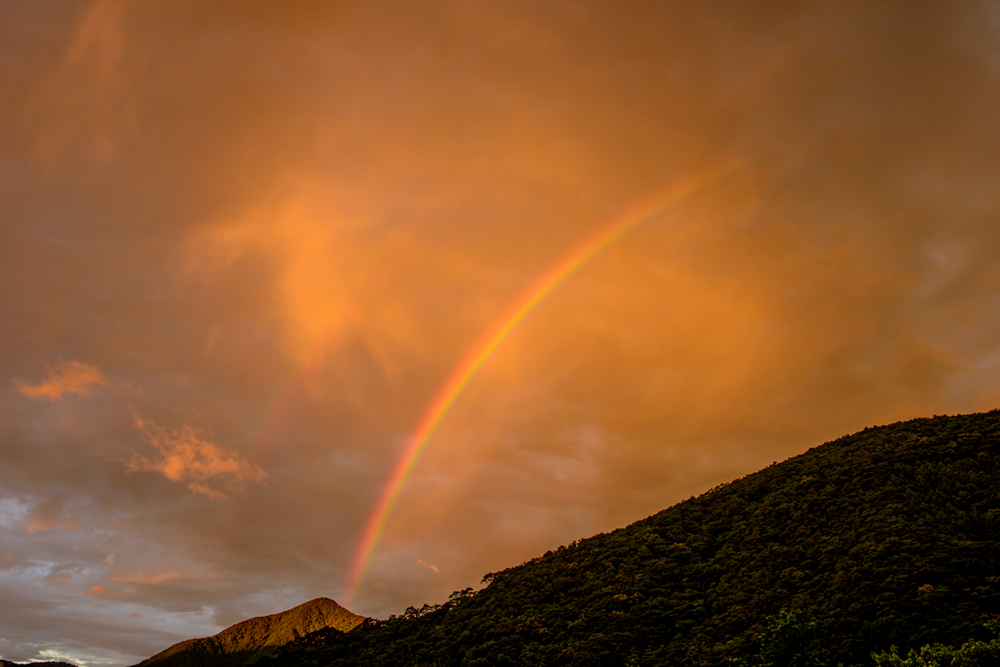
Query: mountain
x,y
890,536
250,640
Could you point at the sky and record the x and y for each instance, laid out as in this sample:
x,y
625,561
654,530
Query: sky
x,y
247,249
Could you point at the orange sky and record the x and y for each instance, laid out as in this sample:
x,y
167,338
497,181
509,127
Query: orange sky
x,y
243,247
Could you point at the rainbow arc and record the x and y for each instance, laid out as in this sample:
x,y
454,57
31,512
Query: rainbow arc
x,y
488,344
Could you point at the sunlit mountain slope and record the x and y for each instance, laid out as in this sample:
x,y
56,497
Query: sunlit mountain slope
x,y
248,641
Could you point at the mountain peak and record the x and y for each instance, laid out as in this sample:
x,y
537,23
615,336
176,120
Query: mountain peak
x,y
316,603
248,641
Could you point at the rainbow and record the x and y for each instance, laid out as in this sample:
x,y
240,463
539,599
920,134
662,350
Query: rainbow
x,y
488,344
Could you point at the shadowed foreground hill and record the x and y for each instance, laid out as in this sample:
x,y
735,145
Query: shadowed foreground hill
x,y
248,641
890,536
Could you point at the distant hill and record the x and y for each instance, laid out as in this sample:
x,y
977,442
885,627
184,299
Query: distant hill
x,y
890,536
250,640
8,663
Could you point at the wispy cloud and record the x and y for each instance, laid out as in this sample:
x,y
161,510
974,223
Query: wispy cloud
x,y
184,456
427,565
158,579
71,377
44,523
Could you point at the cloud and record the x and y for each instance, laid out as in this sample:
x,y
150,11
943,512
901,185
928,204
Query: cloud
x,y
183,456
427,565
159,579
48,523
62,574
48,515
72,377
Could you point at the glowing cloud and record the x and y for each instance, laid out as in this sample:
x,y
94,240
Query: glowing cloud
x,y
303,249
159,579
72,377
495,335
40,524
185,457
423,563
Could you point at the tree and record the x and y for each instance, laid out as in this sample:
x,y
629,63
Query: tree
x,y
786,641
973,653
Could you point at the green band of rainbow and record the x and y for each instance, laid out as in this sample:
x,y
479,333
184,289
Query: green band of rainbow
x,y
489,343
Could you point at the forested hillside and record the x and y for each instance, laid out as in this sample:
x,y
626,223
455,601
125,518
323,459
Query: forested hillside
x,y
890,536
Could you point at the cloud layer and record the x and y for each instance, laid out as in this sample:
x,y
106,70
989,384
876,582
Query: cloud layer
x,y
244,246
